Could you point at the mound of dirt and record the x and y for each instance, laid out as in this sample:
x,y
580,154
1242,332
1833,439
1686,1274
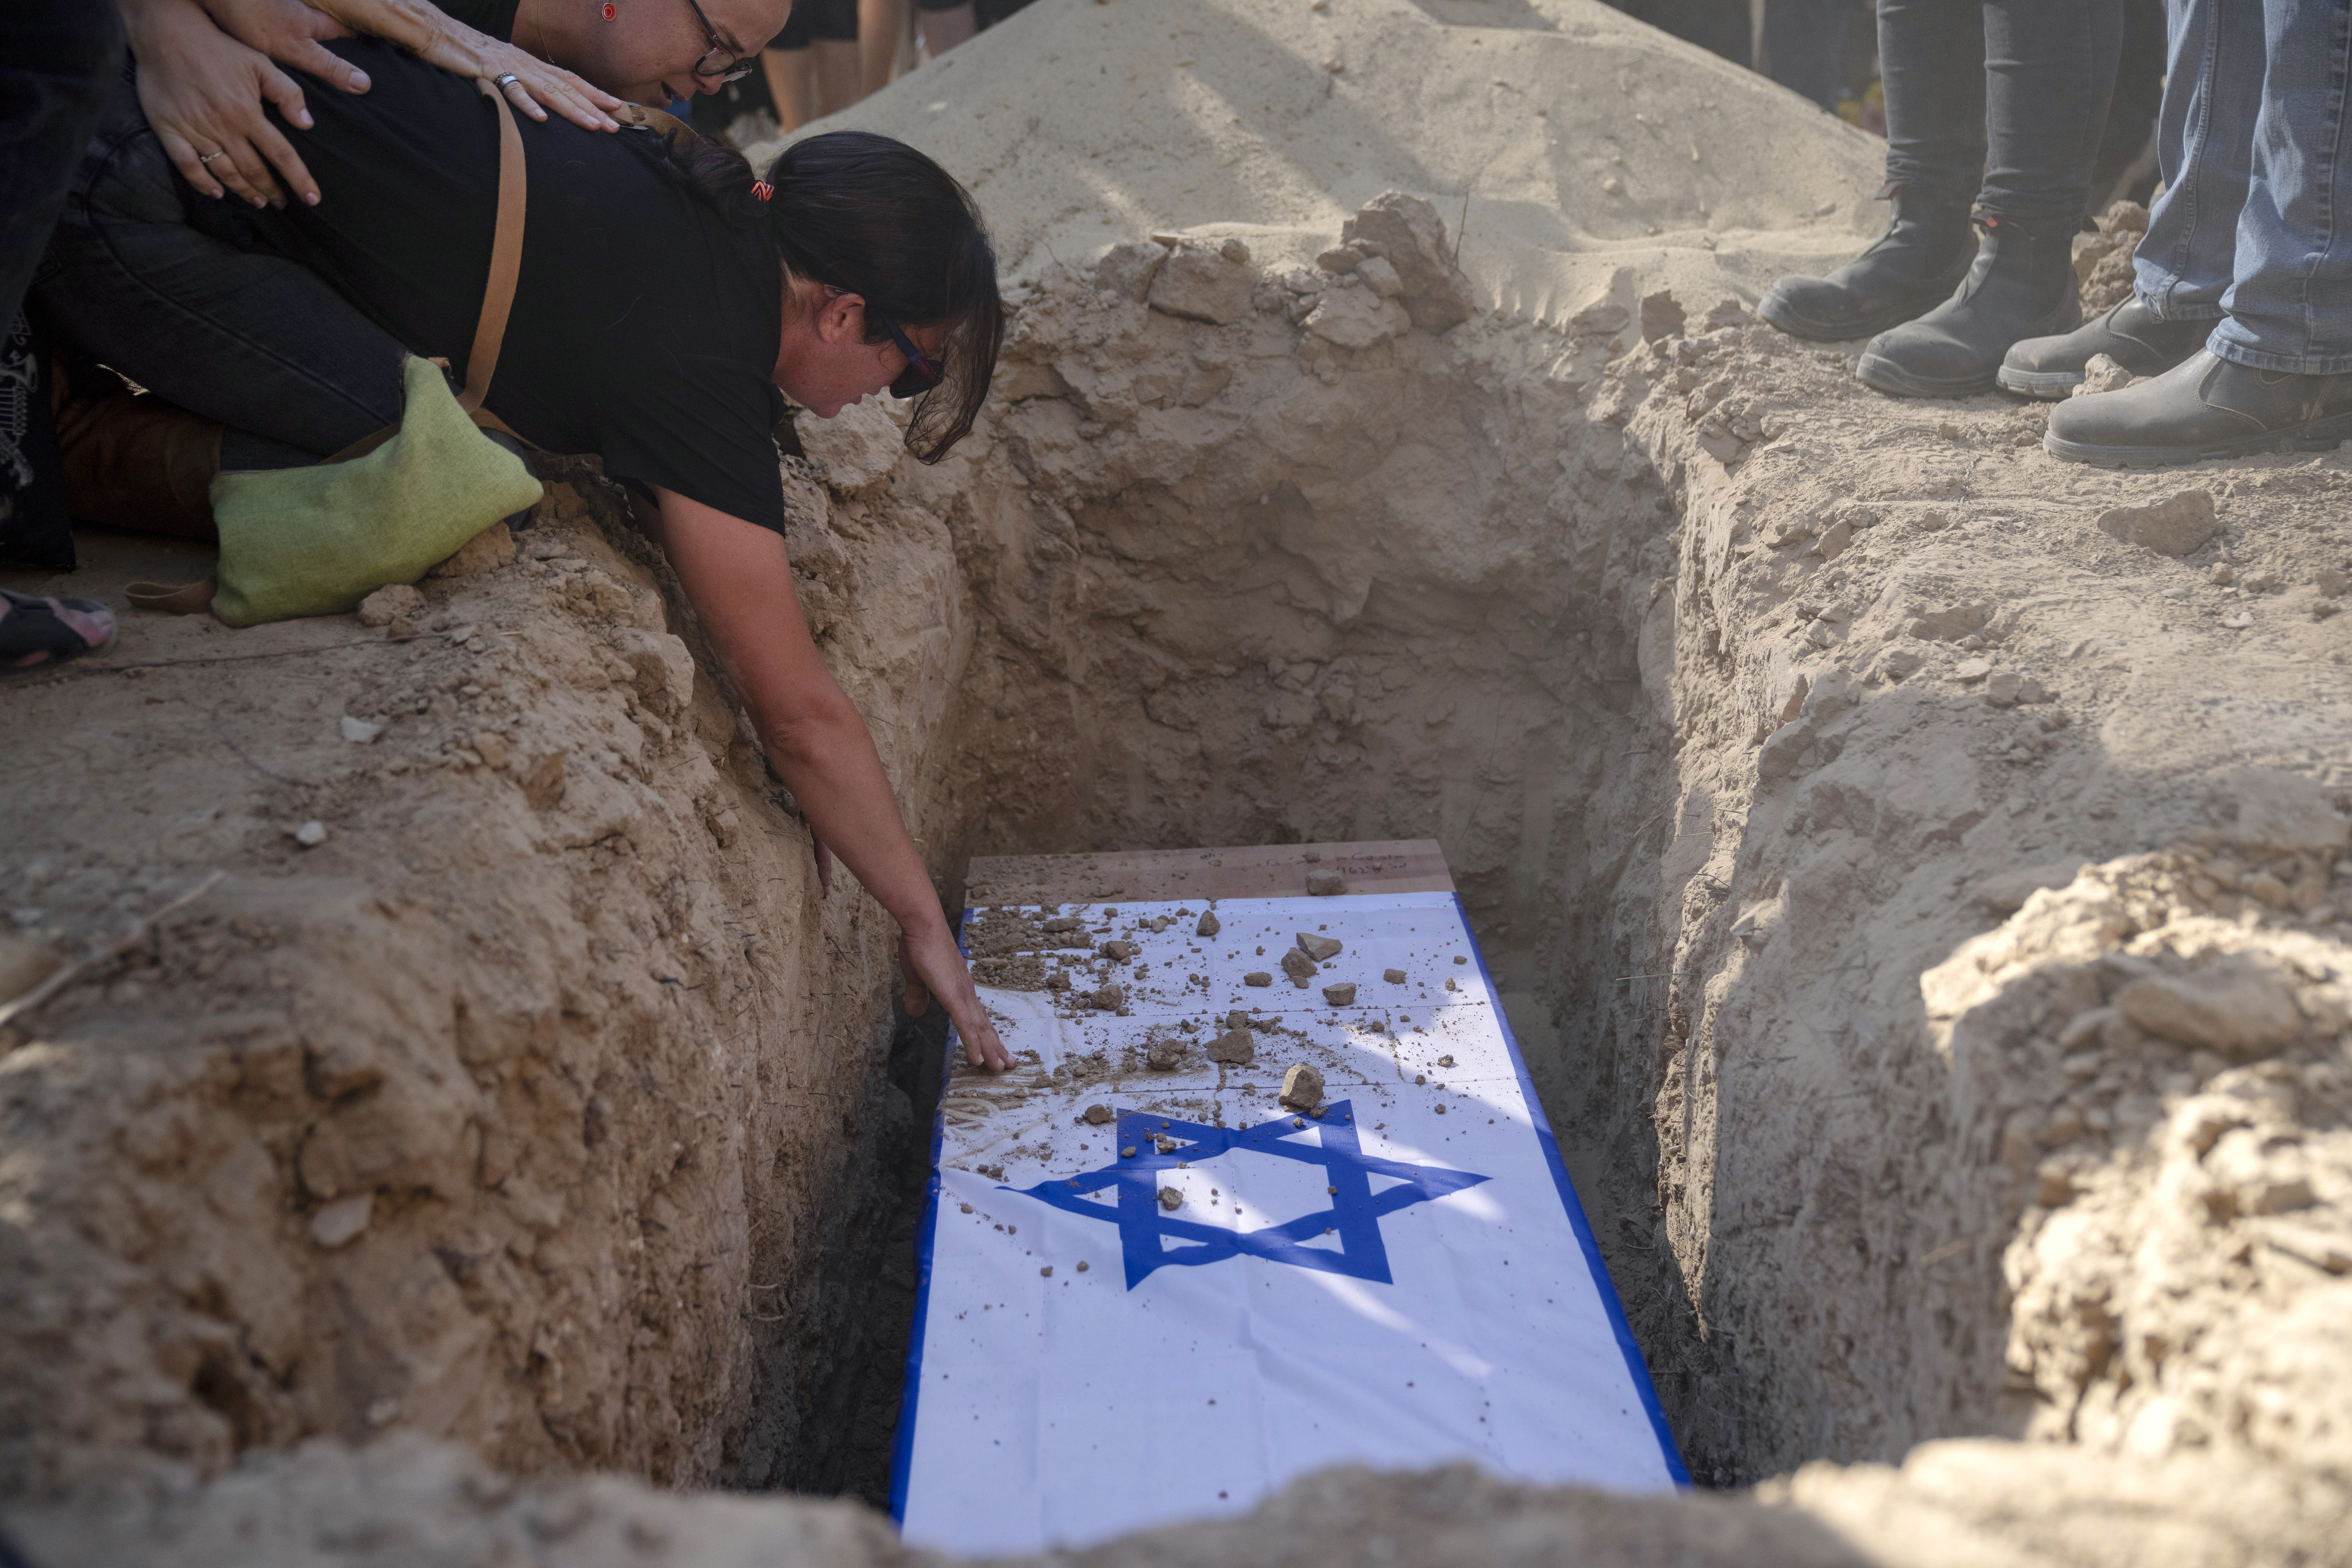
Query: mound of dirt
x,y
1593,151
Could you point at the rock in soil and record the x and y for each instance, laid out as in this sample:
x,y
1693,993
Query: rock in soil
x,y
2235,1005
23,965
1317,948
389,603
2102,375
486,551
1302,1087
2174,526
1234,1047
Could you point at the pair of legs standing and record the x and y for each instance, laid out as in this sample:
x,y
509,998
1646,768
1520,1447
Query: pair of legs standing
x,y
2245,278
1994,105
834,52
2243,311
830,54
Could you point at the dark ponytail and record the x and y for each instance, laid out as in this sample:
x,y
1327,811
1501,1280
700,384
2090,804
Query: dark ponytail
x,y
874,217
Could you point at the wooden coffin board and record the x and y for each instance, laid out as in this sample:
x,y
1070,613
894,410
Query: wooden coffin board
x,y
1262,871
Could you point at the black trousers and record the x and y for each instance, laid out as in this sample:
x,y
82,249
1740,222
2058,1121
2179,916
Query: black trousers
x,y
58,60
57,64
1998,101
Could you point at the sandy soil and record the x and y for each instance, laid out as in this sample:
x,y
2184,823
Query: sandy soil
x,y
1924,904
1091,123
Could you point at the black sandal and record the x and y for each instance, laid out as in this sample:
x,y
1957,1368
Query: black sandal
x,y
38,630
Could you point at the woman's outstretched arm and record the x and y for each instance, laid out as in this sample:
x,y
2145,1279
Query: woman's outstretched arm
x,y
741,581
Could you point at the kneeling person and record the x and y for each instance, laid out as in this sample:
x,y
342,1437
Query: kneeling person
x,y
664,299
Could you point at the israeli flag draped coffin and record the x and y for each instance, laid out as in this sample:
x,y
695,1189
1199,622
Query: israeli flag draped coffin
x,y
1150,1291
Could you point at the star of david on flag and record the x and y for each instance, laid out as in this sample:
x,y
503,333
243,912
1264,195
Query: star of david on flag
x,y
1145,1230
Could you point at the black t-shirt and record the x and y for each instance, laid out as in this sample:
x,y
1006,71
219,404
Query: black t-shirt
x,y
645,328
495,17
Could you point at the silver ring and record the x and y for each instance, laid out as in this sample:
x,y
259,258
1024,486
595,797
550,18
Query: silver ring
x,y
507,80
208,157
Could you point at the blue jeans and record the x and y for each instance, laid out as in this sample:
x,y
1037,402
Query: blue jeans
x,y
2254,227
178,292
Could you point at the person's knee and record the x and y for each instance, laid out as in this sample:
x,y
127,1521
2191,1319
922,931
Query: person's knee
x,y
125,173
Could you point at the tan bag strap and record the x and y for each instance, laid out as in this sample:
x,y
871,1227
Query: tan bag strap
x,y
506,256
498,292
658,119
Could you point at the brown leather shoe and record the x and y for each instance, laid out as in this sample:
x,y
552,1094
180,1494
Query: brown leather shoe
x,y
135,462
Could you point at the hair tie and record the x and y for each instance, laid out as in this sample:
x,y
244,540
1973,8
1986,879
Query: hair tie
x,y
762,189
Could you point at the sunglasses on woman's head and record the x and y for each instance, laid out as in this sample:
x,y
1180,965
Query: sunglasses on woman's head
x,y
922,372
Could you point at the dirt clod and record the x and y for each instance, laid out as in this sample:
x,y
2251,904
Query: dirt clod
x,y
1325,882
1171,1199
1257,977
24,964
1319,948
1164,1054
2235,1007
2174,526
1100,1115
389,603
1302,1087
1234,1047
1393,976
1342,994
1208,924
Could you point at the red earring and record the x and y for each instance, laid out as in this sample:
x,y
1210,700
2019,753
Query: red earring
x,y
610,10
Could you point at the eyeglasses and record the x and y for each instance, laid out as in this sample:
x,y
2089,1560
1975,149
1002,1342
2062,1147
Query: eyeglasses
x,y
731,66
922,372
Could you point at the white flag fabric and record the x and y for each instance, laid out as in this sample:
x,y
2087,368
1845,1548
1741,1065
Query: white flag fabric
x,y
1173,1306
